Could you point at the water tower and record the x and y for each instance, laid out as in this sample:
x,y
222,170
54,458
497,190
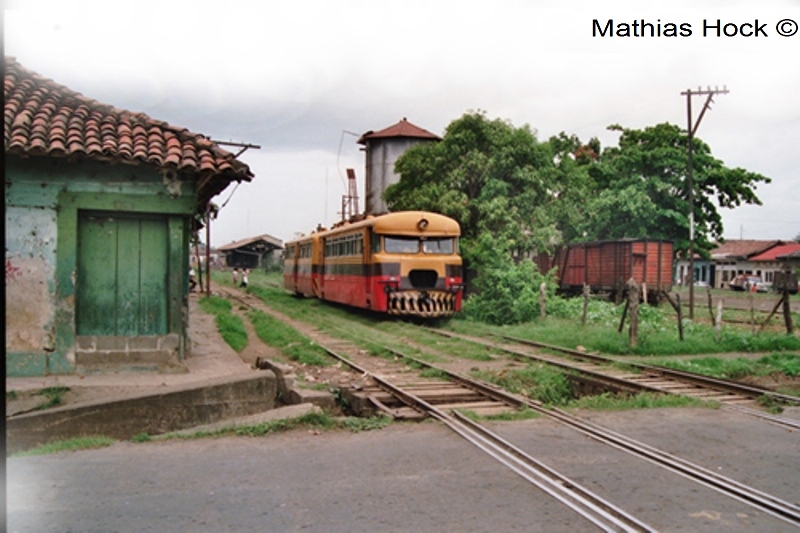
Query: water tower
x,y
383,148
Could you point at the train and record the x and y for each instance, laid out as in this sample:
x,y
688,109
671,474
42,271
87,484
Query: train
x,y
606,266
404,263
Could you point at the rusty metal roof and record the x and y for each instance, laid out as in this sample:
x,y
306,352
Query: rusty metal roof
x,y
741,249
44,118
402,129
266,239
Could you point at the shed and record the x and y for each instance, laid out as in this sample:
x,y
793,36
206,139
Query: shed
x,y
100,206
253,252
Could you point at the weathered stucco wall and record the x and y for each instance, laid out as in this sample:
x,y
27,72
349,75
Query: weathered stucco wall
x,y
44,197
30,278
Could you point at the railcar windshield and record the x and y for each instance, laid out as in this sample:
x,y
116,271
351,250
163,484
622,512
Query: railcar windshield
x,y
444,245
411,245
401,245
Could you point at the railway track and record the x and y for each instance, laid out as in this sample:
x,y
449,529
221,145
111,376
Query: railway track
x,y
636,377
442,399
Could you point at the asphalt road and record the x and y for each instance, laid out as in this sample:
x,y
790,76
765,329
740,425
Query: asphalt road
x,y
407,477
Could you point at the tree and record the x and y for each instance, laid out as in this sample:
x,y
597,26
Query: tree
x,y
498,181
640,189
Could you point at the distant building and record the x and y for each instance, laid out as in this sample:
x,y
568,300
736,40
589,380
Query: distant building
x,y
732,258
261,251
100,207
383,149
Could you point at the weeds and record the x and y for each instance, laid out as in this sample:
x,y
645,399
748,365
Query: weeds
x,y
538,382
312,421
738,368
645,400
287,339
81,443
229,325
54,395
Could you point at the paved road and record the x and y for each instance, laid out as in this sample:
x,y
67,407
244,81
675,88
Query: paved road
x,y
408,477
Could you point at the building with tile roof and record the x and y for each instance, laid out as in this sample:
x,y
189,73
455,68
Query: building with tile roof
x,y
101,203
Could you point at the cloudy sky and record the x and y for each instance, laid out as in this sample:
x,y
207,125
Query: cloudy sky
x,y
304,78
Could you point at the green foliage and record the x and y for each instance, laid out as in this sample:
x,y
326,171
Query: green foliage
x,y
141,437
318,421
291,342
68,445
640,189
539,382
357,425
229,325
726,368
644,400
54,396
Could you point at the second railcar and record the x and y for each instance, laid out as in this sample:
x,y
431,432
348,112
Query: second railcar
x,y
606,266
404,263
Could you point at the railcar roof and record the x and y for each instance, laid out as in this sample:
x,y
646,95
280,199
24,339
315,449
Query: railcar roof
x,y
400,223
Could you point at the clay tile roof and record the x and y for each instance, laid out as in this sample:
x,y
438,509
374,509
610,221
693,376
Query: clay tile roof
x,y
44,118
402,129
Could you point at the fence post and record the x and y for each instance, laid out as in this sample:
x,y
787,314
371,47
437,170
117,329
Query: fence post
x,y
585,303
542,299
633,307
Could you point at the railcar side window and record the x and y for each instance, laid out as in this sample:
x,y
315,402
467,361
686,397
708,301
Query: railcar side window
x,y
443,246
401,245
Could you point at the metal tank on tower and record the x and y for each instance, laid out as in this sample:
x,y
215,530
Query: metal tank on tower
x,y
383,148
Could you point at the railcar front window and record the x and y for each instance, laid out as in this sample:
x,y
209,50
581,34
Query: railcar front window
x,y
444,246
401,245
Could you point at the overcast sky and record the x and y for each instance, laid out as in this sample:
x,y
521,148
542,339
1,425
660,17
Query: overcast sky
x,y
303,78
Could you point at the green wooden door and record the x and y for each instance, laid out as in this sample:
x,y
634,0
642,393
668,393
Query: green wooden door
x,y
122,275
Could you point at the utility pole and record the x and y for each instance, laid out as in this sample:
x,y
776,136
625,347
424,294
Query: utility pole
x,y
692,129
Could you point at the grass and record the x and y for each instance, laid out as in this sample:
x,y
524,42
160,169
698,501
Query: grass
x,y
658,334
287,339
538,382
229,325
54,396
552,387
645,400
313,421
68,445
738,368
522,414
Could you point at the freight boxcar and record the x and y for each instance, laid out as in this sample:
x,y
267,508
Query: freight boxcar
x,y
606,266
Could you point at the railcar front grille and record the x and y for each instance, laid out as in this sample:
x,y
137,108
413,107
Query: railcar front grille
x,y
424,304
423,279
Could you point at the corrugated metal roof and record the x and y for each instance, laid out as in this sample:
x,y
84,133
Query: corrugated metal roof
x,y
777,251
741,249
268,239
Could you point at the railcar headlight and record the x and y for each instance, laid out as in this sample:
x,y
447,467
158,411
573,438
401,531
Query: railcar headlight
x,y
422,224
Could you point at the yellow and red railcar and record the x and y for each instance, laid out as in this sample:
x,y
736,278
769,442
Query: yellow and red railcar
x,y
404,263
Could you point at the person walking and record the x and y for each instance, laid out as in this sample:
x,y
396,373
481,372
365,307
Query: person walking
x,y
235,276
244,278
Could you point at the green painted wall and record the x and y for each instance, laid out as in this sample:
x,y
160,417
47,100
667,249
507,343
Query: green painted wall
x,y
45,198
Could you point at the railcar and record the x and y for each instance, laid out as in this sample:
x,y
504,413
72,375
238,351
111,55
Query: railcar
x,y
404,263
606,266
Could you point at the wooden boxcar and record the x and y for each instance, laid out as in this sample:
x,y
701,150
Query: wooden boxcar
x,y
404,263
606,266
